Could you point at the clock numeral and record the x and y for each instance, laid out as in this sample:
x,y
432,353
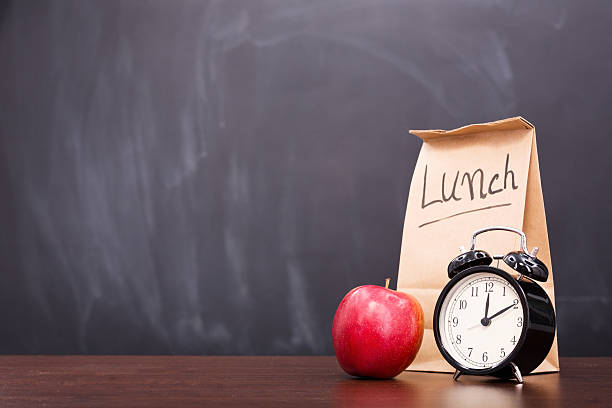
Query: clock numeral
x,y
470,349
474,291
502,353
488,287
455,321
458,339
519,322
485,357
515,303
513,340
504,294
463,304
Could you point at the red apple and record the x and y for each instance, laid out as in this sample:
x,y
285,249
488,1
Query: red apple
x,y
377,331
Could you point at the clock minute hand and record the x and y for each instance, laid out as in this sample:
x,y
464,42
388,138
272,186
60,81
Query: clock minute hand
x,y
501,311
485,321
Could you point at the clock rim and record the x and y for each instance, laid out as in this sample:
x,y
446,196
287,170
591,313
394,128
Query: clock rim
x,y
526,322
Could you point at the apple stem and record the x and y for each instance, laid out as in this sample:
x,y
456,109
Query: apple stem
x,y
387,283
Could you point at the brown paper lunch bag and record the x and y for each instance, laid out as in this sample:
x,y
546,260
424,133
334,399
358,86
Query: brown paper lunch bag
x,y
466,179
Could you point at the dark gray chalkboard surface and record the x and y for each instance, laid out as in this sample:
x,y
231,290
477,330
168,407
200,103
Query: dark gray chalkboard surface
x,y
212,177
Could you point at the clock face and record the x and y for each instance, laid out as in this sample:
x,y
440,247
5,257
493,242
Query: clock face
x,y
475,340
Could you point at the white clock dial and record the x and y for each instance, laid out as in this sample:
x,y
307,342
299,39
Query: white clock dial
x,y
466,334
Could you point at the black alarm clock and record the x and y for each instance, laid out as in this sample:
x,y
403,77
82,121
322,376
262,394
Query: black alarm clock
x,y
490,322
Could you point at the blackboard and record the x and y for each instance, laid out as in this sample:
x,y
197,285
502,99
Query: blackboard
x,y
212,177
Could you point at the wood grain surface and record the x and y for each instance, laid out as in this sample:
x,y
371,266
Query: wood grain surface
x,y
170,381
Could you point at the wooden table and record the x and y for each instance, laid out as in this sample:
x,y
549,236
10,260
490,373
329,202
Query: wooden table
x,y
152,381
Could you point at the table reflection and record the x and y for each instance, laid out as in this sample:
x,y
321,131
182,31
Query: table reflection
x,y
439,390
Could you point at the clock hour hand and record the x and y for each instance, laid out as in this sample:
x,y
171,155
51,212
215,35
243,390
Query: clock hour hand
x,y
485,321
501,311
487,306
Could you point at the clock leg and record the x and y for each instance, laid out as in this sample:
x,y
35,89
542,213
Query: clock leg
x,y
456,375
517,373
